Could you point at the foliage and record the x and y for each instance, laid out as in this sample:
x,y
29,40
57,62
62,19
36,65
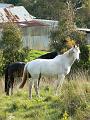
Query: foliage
x,y
12,1
33,54
66,34
84,53
43,9
1,63
11,42
83,15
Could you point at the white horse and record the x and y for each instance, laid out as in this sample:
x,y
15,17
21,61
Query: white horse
x,y
59,66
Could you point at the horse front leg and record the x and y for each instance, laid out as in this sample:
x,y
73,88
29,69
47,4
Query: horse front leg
x,y
36,87
59,83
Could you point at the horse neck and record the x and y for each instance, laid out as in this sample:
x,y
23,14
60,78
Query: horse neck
x,y
70,58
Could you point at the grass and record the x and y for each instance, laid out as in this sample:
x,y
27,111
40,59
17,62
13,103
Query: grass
x,y
72,104
33,54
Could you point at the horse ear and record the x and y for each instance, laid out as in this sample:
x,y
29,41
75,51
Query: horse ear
x,y
74,46
77,45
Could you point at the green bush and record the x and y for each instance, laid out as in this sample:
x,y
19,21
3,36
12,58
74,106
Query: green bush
x,y
11,42
84,56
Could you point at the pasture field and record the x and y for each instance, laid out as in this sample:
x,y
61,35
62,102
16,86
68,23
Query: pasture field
x,y
73,103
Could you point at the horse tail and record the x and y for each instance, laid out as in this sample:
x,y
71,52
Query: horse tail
x,y
6,78
24,78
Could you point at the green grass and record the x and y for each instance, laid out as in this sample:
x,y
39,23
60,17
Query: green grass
x,y
33,54
72,104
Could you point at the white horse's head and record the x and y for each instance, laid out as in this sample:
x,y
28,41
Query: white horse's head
x,y
76,52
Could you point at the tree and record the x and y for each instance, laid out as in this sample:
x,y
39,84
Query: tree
x,y
12,1
66,35
11,42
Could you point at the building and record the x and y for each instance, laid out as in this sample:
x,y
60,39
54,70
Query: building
x,y
35,31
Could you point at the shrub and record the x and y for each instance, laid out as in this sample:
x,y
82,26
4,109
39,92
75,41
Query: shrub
x,y
84,53
11,42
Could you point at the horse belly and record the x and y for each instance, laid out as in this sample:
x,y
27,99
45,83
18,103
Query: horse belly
x,y
49,70
43,67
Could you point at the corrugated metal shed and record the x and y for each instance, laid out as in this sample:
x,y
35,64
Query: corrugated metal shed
x,y
19,15
34,32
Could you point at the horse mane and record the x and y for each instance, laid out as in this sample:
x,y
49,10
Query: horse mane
x,y
67,52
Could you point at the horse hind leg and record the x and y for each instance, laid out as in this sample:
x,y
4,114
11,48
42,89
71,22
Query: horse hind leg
x,y
36,86
8,87
30,88
11,84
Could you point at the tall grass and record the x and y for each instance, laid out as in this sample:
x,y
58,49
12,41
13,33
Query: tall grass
x,y
76,94
72,104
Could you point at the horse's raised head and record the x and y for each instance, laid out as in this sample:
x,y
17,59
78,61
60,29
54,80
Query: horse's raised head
x,y
76,51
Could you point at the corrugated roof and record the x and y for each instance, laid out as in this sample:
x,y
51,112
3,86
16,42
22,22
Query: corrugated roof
x,y
19,15
31,23
52,23
3,5
15,14
3,16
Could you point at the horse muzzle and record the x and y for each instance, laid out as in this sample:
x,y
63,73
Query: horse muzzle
x,y
78,60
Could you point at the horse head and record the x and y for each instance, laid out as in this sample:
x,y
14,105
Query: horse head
x,y
76,52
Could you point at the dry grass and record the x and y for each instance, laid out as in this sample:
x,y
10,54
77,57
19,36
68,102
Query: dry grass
x,y
1,84
74,99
